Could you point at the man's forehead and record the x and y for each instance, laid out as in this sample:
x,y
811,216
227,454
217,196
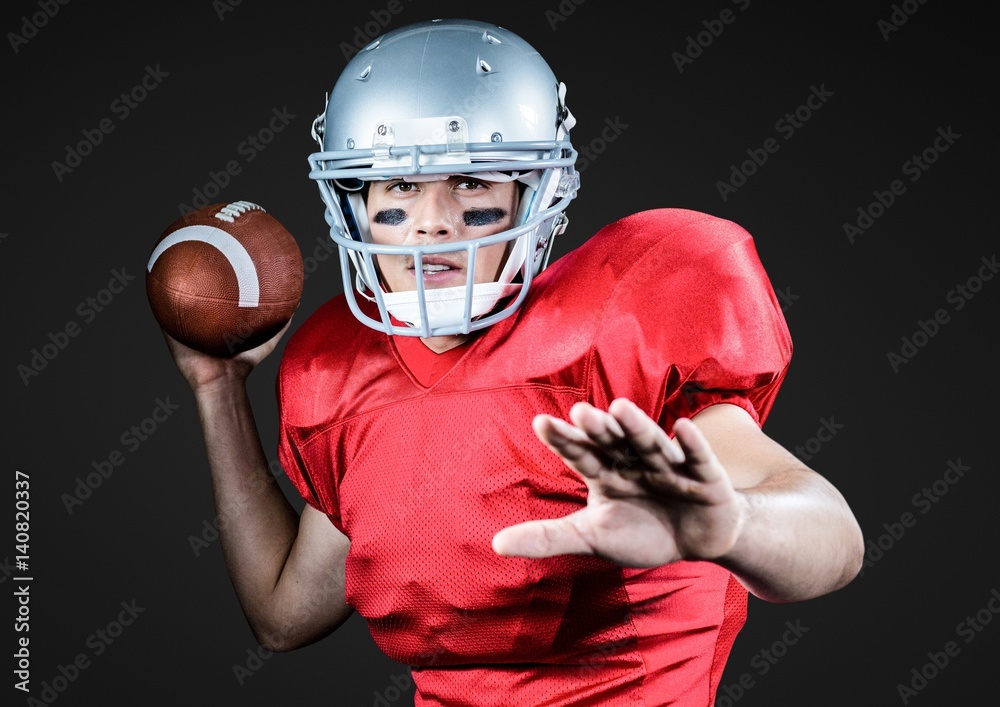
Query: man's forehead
x,y
484,176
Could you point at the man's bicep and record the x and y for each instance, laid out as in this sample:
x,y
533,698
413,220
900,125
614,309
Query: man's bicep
x,y
320,542
311,587
747,454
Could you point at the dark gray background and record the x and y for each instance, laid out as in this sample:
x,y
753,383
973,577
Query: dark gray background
x,y
849,305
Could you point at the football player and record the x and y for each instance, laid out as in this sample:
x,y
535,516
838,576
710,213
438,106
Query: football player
x,y
539,483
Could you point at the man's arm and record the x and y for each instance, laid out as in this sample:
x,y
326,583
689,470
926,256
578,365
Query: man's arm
x,y
799,539
721,491
287,570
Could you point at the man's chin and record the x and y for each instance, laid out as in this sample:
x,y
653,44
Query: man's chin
x,y
436,281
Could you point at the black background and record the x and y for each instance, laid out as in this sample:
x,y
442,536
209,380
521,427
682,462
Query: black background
x,y
225,68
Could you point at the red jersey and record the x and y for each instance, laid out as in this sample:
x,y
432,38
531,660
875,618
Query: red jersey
x,y
669,308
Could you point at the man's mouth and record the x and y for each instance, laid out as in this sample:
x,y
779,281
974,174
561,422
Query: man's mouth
x,y
437,270
435,264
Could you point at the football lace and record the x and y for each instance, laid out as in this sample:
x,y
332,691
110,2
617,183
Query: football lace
x,y
229,212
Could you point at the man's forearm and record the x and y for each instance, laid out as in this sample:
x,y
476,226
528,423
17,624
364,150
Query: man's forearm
x,y
799,539
257,524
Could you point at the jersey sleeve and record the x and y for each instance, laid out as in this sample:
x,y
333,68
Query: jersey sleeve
x,y
294,465
306,463
696,310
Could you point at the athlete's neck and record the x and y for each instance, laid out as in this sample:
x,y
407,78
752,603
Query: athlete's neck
x,y
440,344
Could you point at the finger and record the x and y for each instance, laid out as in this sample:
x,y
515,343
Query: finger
x,y
570,443
600,426
543,538
610,439
602,476
701,460
650,442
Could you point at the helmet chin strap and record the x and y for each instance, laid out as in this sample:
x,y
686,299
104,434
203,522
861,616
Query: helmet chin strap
x,y
446,305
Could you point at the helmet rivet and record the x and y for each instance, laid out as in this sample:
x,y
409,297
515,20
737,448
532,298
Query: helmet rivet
x,y
453,126
382,130
496,137
350,143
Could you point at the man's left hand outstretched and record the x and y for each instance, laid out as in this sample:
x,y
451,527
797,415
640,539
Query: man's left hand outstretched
x,y
651,499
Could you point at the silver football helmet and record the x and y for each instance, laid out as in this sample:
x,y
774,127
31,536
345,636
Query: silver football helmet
x,y
437,98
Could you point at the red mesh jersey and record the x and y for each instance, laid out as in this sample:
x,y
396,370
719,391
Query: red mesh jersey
x,y
670,308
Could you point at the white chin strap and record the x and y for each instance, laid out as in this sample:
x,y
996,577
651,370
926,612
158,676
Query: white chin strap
x,y
446,305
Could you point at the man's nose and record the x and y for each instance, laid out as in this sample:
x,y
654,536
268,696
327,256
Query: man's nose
x,y
434,215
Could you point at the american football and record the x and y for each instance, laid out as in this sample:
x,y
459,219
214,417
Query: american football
x,y
224,278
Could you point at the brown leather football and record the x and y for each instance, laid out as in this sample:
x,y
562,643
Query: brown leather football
x,y
224,278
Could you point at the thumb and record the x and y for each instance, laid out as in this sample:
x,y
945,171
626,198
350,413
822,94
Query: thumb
x,y
544,538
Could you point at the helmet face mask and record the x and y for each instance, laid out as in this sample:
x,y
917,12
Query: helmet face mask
x,y
433,99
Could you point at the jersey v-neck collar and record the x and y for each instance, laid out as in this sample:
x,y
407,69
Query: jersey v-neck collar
x,y
424,365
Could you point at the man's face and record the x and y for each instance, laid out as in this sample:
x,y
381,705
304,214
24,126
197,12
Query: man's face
x,y
425,213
